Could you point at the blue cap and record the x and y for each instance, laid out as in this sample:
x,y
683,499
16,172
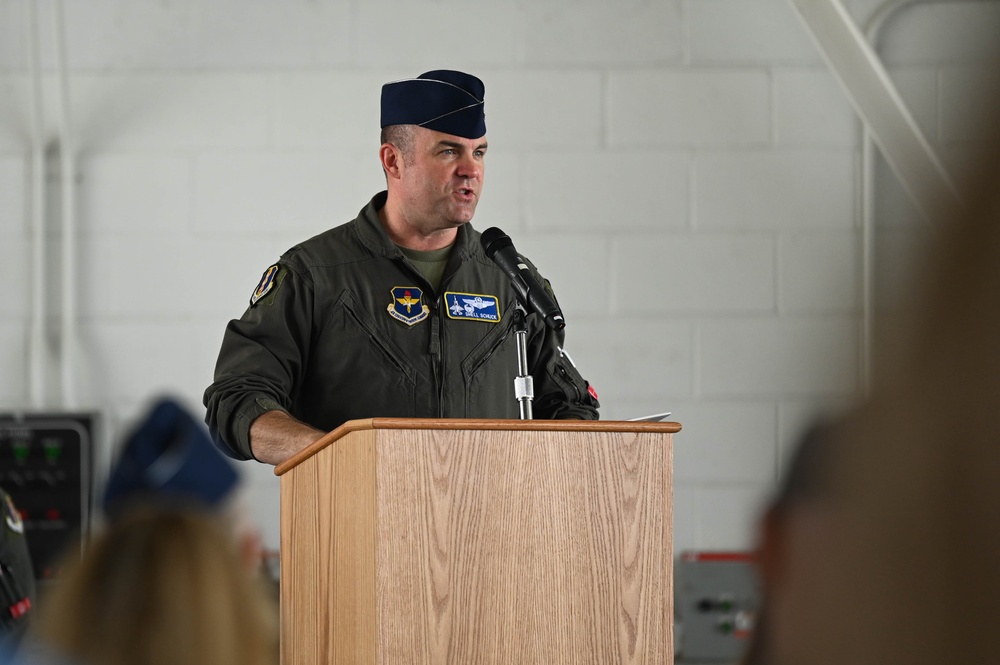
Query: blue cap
x,y
443,100
169,456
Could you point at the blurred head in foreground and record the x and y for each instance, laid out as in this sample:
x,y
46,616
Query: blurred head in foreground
x,y
169,460
897,563
159,587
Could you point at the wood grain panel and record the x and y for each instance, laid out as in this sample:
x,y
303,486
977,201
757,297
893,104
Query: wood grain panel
x,y
327,559
522,546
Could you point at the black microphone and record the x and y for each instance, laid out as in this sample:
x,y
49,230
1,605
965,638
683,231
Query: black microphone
x,y
500,249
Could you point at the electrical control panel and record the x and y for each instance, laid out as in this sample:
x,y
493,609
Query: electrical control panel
x,y
716,597
46,463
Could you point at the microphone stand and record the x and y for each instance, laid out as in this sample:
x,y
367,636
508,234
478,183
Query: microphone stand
x,y
524,388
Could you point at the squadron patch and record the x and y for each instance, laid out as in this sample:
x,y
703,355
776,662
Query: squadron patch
x,y
267,281
406,305
473,307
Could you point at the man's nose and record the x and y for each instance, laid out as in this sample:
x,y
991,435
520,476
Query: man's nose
x,y
470,167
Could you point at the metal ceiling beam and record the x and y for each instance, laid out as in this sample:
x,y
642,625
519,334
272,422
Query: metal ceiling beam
x,y
871,92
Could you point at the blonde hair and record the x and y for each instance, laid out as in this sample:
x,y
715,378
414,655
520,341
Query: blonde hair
x,y
160,588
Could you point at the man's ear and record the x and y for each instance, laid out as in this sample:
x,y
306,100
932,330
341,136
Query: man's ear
x,y
392,160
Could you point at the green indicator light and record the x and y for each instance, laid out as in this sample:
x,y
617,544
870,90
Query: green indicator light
x,y
20,452
53,452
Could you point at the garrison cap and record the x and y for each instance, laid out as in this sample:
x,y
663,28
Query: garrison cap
x,y
443,100
168,458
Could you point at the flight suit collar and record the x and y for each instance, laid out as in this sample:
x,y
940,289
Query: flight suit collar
x,y
375,238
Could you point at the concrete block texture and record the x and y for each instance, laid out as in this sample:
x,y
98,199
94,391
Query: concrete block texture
x,y
802,355
631,359
129,359
124,35
110,34
170,111
725,441
620,190
771,189
688,107
439,35
534,109
15,113
14,195
261,192
942,32
686,509
820,271
124,279
728,515
577,267
15,269
683,273
135,193
604,33
330,109
810,108
136,279
747,31
13,30
13,363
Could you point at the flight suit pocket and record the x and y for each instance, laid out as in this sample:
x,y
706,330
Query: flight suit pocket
x,y
575,388
371,375
489,371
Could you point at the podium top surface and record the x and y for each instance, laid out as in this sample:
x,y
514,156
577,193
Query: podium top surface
x,y
476,424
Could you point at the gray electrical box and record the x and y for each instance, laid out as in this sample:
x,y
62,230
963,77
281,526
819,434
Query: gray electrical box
x,y
716,596
46,462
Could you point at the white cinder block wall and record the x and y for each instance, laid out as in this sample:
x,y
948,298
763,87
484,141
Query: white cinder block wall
x,y
686,172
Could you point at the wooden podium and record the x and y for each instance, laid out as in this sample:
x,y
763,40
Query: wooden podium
x,y
478,541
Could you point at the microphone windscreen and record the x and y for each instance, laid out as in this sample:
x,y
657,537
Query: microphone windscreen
x,y
493,240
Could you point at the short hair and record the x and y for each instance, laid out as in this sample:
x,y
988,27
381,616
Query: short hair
x,y
400,136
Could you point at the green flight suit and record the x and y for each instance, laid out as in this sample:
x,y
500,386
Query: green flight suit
x,y
345,327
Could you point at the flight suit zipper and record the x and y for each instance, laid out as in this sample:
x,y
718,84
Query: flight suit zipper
x,y
374,339
566,377
489,354
437,358
434,343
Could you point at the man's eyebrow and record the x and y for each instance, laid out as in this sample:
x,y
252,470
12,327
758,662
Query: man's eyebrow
x,y
455,144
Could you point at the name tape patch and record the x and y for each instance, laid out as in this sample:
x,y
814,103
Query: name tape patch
x,y
472,307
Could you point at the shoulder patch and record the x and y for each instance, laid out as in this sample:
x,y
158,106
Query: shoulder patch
x,y
267,282
472,307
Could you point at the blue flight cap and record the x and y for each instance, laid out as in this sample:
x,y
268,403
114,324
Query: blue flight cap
x,y
443,100
169,457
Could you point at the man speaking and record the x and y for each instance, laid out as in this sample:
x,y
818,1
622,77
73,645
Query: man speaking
x,y
398,313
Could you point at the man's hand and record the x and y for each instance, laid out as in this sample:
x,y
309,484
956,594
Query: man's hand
x,y
275,436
